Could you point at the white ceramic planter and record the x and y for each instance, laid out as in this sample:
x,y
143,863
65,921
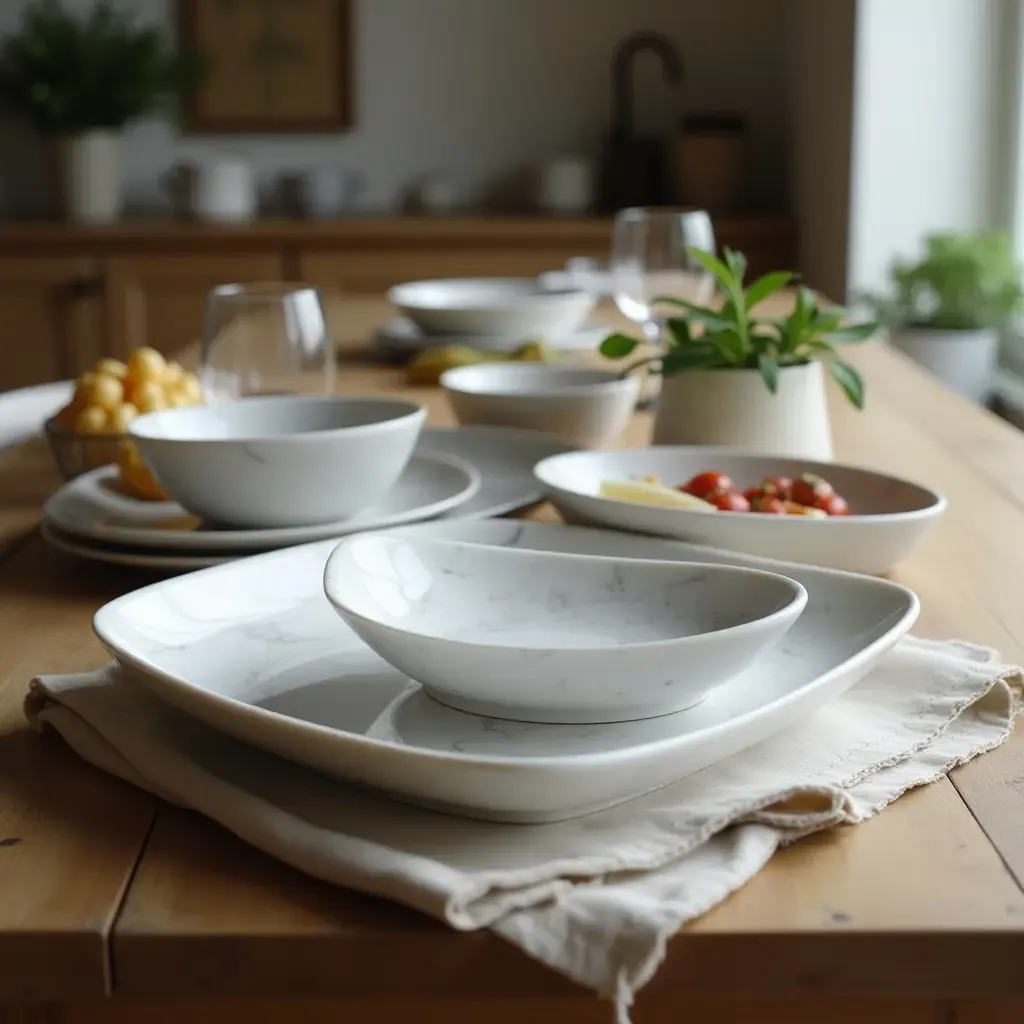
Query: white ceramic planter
x,y
734,408
963,360
91,176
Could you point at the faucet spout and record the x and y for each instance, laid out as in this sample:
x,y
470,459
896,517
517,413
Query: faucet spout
x,y
622,70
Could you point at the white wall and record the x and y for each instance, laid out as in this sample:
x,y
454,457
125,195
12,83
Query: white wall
x,y
929,121
483,86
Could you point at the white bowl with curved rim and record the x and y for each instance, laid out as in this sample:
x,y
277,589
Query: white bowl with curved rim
x,y
889,516
541,637
588,407
280,461
518,307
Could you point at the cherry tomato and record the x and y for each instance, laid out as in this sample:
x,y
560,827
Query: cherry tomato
x,y
782,486
769,504
809,488
753,493
704,484
729,501
833,504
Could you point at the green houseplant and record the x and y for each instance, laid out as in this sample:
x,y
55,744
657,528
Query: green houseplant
x,y
734,377
945,309
80,79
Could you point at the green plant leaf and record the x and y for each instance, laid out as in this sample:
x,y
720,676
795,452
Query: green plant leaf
x,y
699,355
765,286
617,346
848,379
713,265
730,346
769,371
737,264
679,330
855,332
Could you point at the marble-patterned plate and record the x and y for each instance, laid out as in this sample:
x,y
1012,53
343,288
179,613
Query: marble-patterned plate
x,y
254,648
435,484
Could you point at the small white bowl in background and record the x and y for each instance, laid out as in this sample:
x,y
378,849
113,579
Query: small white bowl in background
x,y
587,407
541,637
508,307
280,461
889,515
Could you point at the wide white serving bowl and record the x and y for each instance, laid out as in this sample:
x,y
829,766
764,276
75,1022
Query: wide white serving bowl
x,y
587,407
542,637
507,307
280,461
890,515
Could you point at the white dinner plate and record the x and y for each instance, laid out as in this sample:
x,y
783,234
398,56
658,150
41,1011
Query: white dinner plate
x,y
889,516
403,337
94,521
253,648
94,505
135,558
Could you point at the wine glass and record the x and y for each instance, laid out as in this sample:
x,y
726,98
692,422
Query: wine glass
x,y
650,261
265,338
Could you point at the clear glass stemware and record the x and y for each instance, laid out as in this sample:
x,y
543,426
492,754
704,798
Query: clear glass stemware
x,y
650,260
265,338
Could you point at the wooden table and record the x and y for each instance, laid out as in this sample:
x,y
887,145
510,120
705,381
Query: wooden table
x,y
917,915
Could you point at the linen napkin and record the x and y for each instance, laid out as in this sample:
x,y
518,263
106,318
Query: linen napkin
x,y
596,898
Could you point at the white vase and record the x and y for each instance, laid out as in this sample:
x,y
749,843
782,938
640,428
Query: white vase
x,y
963,360
91,176
734,408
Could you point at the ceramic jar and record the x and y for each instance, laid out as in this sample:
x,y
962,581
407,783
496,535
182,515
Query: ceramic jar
x,y
90,170
964,361
734,408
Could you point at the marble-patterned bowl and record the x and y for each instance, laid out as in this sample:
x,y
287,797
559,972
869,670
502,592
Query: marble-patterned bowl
x,y
542,637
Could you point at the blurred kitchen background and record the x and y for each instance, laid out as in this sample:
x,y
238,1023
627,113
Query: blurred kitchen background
x,y
498,137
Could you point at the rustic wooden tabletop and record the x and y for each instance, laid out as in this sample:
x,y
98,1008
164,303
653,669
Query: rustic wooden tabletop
x,y
915,915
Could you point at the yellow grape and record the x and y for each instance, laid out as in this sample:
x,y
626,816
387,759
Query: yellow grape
x,y
122,416
91,420
191,388
146,364
173,374
149,397
107,392
112,368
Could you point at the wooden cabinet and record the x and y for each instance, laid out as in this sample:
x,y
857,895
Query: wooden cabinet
x,y
51,318
159,300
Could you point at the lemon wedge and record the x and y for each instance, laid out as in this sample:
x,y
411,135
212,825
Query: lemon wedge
x,y
643,492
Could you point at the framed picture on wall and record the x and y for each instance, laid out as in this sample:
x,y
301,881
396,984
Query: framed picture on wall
x,y
273,66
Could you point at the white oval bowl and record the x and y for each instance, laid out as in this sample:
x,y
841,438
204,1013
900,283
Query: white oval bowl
x,y
890,515
280,461
506,307
588,407
541,637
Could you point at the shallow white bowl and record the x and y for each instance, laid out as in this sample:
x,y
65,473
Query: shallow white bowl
x,y
280,461
541,637
587,407
890,516
497,306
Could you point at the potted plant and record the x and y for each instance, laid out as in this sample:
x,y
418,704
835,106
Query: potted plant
x,y
945,310
80,79
731,377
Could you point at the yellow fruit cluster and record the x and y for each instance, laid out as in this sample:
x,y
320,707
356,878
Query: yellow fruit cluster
x,y
113,393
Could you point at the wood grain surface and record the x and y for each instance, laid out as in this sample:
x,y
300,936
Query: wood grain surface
x,y
105,889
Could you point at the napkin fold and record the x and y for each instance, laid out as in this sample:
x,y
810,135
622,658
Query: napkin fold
x,y
598,897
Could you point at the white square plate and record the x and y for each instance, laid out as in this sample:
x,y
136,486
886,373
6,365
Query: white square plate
x,y
253,648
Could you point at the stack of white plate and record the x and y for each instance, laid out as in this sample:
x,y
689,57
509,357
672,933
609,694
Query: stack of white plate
x,y
457,473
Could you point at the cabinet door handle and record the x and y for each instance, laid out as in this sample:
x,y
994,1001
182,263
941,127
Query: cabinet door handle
x,y
86,286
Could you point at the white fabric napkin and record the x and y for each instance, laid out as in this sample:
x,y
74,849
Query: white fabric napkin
x,y
596,898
